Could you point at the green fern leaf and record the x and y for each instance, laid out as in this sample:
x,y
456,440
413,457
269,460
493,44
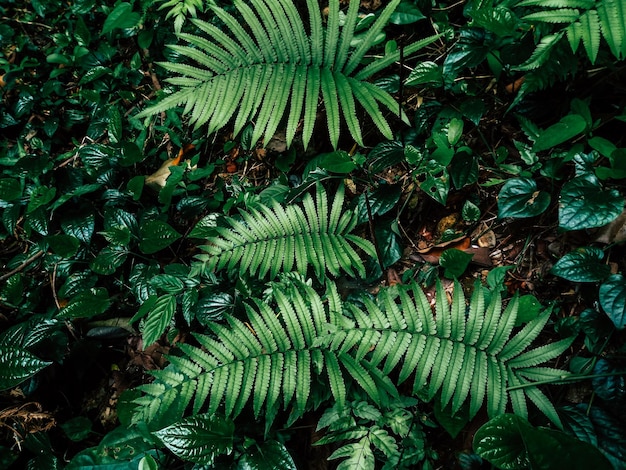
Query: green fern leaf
x,y
273,238
542,53
612,15
278,355
561,15
273,68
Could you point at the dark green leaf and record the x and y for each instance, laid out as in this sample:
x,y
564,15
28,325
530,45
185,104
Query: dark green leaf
x,y
613,300
109,259
548,448
156,235
213,307
121,17
65,246
436,187
93,74
584,204
609,383
205,227
115,125
384,155
500,442
86,304
159,319
470,212
135,186
41,196
611,435
336,162
463,170
167,283
519,197
389,242
406,13
271,454
582,265
17,365
425,73
10,189
381,200
117,235
77,429
131,154
200,438
529,309
80,226
455,262
568,127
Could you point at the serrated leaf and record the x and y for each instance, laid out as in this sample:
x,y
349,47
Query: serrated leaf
x,y
156,235
519,198
17,365
200,438
109,259
582,265
158,319
584,204
613,300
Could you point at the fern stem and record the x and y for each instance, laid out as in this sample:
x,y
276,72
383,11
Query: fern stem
x,y
566,379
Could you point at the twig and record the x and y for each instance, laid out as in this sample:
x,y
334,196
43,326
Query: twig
x,y
4,277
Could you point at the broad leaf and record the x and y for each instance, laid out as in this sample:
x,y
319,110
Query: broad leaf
x,y
584,204
87,304
271,454
199,438
121,17
159,319
156,235
455,261
613,300
519,198
17,365
568,127
511,443
582,265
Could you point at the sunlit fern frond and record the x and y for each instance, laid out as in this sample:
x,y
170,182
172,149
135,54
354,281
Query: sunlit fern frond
x,y
458,355
267,67
274,238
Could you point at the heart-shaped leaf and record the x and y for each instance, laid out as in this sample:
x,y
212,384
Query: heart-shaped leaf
x,y
582,265
519,198
584,204
613,300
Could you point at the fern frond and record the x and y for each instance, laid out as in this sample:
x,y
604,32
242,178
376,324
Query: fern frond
x,y
586,21
542,53
277,356
273,69
272,238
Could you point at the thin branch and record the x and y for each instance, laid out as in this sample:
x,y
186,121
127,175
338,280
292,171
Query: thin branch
x,y
28,261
